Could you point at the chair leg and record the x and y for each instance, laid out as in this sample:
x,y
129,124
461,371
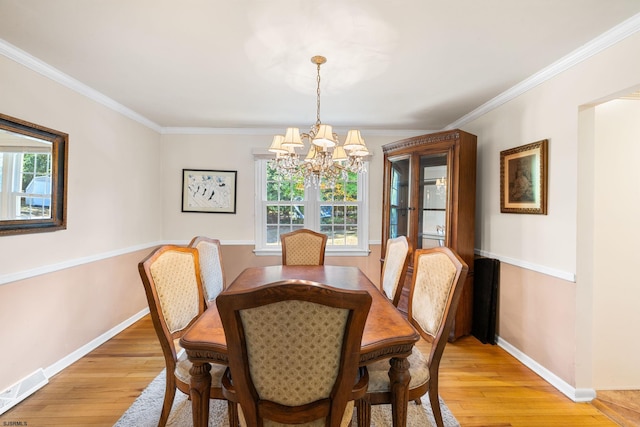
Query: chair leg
x,y
363,409
233,414
435,407
169,395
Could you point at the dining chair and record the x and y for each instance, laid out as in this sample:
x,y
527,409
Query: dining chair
x,y
438,279
303,247
211,269
394,268
171,279
294,350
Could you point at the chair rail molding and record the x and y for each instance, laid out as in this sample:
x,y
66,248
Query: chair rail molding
x,y
560,274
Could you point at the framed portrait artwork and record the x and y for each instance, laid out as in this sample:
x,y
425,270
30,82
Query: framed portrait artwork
x,y
211,191
523,179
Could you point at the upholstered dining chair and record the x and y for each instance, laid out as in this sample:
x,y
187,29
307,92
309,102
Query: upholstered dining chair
x,y
303,247
171,279
211,270
438,278
394,268
294,349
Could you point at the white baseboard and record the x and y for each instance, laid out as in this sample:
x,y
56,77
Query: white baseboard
x,y
22,389
575,394
38,379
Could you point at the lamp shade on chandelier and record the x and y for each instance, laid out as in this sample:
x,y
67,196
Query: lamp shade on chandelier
x,y
326,159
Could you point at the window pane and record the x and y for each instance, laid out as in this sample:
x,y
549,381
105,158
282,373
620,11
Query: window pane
x,y
338,236
284,216
349,188
328,230
298,190
34,207
326,192
351,191
326,214
272,235
352,215
272,214
338,214
272,190
285,191
298,214
338,192
352,235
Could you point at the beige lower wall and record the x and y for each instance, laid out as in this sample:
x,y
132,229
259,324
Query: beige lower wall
x,y
238,257
46,318
541,327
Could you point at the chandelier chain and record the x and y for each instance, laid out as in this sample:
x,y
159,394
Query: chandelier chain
x,y
318,94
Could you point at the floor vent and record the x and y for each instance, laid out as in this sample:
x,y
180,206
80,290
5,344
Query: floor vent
x,y
21,390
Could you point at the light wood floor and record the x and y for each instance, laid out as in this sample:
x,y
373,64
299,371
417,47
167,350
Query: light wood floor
x,y
482,385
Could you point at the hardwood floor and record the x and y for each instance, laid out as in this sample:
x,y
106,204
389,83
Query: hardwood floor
x,y
482,385
623,406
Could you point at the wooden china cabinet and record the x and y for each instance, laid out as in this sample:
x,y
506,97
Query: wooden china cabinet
x,y
429,196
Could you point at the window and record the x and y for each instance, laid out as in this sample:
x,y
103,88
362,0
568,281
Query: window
x,y
27,177
285,205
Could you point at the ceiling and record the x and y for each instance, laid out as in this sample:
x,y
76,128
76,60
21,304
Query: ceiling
x,y
392,65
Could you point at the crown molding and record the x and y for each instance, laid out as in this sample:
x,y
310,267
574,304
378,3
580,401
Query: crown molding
x,y
217,131
600,43
33,63
272,131
597,45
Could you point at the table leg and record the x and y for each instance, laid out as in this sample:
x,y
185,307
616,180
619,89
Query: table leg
x,y
399,378
199,392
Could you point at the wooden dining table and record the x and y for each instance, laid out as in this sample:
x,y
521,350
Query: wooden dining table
x,y
387,333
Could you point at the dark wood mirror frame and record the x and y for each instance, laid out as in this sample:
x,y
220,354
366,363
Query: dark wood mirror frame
x,y
59,160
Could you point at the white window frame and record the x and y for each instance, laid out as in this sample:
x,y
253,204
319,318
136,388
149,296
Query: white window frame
x,y
310,221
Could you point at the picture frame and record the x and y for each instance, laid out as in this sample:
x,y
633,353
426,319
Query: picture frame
x,y
209,191
523,179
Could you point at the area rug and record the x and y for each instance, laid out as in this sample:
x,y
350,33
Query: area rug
x,y
145,411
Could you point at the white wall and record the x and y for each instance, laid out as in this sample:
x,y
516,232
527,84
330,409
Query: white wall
x,y
235,152
82,281
548,243
616,298
113,173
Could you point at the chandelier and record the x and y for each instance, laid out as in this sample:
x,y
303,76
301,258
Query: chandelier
x,y
326,159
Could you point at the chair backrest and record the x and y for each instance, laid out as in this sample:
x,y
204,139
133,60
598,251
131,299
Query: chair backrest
x,y
211,270
303,247
394,269
294,349
171,279
438,279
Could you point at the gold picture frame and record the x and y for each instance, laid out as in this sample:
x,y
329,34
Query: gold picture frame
x,y
523,179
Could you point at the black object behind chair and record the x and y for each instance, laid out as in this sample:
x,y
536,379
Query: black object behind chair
x,y
485,299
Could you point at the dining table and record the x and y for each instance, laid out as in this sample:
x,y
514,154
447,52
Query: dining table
x,y
387,333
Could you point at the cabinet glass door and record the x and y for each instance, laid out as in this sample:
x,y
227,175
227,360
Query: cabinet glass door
x,y
399,197
432,216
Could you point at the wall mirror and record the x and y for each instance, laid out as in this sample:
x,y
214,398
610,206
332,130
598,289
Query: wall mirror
x,y
33,177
